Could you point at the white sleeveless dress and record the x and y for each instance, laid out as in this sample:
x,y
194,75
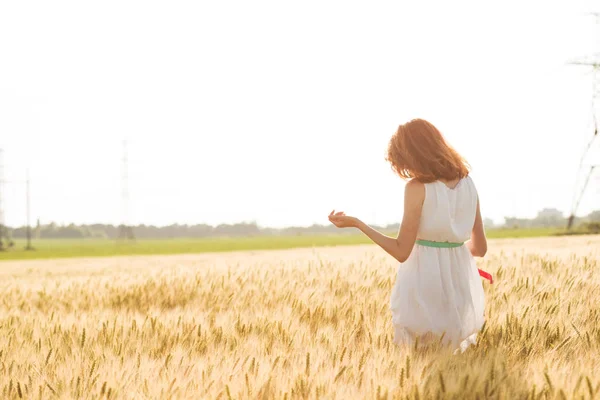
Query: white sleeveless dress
x,y
439,290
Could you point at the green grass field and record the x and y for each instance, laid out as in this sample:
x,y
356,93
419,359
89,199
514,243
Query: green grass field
x,y
63,248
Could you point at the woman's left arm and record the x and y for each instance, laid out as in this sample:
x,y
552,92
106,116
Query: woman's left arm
x,y
401,246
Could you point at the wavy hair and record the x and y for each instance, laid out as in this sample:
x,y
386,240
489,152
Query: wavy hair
x,y
419,151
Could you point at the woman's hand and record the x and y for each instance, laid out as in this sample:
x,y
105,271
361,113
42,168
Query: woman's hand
x,y
341,220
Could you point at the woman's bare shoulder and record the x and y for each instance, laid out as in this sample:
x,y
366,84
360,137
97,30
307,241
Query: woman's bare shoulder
x,y
414,185
414,190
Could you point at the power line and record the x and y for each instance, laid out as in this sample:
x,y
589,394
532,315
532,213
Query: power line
x,y
5,239
586,173
3,229
28,211
125,229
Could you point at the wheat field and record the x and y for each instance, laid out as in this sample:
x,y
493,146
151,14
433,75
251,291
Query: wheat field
x,y
291,324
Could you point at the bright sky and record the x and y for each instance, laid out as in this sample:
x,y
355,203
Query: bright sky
x,y
279,111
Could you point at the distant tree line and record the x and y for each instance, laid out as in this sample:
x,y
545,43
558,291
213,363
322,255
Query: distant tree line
x,y
546,218
550,218
104,231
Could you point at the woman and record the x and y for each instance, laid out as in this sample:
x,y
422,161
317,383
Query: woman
x,y
438,291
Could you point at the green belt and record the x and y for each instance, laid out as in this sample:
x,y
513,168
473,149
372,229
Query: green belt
x,y
445,245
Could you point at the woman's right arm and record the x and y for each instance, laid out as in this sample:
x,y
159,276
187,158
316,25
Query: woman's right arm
x,y
478,243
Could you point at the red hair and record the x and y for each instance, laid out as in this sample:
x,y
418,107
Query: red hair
x,y
419,151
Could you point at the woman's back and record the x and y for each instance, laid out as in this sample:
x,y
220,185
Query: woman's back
x,y
448,213
438,289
